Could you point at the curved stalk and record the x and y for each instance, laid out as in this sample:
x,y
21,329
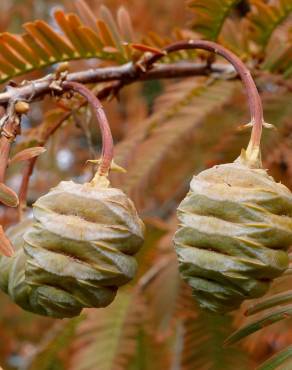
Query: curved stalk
x,y
107,139
254,100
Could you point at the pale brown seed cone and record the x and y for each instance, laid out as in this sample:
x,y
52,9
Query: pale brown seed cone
x,y
79,249
235,228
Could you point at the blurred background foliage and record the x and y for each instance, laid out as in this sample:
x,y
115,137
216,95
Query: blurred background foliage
x,y
165,131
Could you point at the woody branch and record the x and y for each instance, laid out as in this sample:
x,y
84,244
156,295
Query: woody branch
x,y
127,73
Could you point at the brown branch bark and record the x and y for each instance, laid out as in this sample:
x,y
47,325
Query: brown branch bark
x,y
4,155
11,128
126,73
28,170
22,194
254,100
145,69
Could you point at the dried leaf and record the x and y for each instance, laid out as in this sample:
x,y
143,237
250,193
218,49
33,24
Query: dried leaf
x,y
268,302
270,318
125,24
176,127
265,18
210,15
42,45
86,14
107,17
5,246
105,34
11,57
146,48
26,154
8,196
278,359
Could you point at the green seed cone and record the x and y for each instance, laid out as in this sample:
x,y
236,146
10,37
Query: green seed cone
x,y
12,269
235,228
78,251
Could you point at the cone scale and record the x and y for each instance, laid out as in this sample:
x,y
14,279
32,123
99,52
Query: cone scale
x,y
235,226
77,252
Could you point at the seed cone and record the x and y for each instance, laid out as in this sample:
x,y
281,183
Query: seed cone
x,y
235,228
12,269
78,251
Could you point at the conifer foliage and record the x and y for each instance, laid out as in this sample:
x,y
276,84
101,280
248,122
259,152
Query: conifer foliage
x,y
143,106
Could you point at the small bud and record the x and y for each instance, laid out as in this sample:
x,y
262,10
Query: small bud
x,y
62,67
269,125
114,166
21,107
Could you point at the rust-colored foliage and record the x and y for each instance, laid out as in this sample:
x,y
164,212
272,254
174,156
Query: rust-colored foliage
x,y
165,130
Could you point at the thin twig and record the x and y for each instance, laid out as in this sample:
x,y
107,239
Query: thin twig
x,y
107,139
105,92
8,134
5,145
254,100
22,194
154,271
34,90
130,72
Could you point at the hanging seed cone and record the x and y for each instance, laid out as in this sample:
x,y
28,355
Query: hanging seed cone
x,y
14,283
12,276
81,247
77,253
235,228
